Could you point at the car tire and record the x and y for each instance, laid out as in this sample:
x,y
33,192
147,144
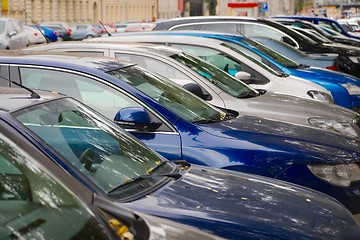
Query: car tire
x,y
60,39
89,36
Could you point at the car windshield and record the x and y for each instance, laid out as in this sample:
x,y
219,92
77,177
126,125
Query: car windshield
x,y
169,95
105,154
221,79
257,59
33,205
274,55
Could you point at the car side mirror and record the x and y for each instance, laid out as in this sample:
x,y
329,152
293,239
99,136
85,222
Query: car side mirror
x,y
243,76
135,118
196,90
13,33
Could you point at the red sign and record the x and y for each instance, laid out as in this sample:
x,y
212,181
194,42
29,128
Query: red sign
x,y
181,5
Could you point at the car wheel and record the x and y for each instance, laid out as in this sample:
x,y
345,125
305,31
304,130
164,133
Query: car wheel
x,y
60,39
89,36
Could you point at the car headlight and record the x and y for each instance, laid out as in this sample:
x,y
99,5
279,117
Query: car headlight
x,y
340,175
321,96
344,128
352,89
354,59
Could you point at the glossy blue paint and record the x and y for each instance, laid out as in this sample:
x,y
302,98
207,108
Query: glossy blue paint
x,y
330,80
229,204
245,143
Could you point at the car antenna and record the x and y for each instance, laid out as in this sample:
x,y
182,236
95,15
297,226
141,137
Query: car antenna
x,y
33,93
109,34
34,23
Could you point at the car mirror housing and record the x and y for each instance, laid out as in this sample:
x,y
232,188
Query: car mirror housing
x,y
135,118
197,90
243,76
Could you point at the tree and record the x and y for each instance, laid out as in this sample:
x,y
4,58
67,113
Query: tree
x,y
212,7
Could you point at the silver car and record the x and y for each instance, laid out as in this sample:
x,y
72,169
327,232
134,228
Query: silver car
x,y
12,34
235,95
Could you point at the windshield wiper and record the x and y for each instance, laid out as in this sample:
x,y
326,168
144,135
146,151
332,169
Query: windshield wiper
x,y
174,175
207,121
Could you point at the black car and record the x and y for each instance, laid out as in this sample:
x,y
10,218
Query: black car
x,y
338,38
348,59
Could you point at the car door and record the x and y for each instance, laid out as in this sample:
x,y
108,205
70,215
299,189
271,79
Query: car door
x,y
106,99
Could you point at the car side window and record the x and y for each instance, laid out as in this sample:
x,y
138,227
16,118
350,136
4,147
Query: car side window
x,y
185,27
155,66
219,27
10,27
95,94
103,98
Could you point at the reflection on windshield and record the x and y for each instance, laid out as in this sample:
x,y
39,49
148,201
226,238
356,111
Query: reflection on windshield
x,y
106,155
169,95
34,206
216,76
252,57
274,55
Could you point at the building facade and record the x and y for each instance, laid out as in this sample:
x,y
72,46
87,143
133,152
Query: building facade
x,y
84,11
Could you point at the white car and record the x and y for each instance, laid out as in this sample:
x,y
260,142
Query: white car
x,y
252,71
34,35
221,90
12,34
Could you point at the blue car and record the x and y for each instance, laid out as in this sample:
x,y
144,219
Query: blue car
x,y
179,125
329,23
50,35
344,88
74,142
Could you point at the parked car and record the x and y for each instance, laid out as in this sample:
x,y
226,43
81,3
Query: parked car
x,y
182,126
12,34
50,35
327,22
329,33
220,89
84,31
255,73
34,35
327,61
117,170
257,27
345,89
36,191
63,30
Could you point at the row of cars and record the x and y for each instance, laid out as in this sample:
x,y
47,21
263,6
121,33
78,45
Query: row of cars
x,y
245,141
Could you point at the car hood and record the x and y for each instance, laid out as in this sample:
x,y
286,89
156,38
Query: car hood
x,y
284,138
291,109
235,205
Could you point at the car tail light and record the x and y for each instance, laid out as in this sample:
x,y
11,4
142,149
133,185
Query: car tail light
x,y
333,68
56,33
35,34
68,32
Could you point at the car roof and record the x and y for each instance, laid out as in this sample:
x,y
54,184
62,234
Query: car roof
x,y
64,60
97,44
16,98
